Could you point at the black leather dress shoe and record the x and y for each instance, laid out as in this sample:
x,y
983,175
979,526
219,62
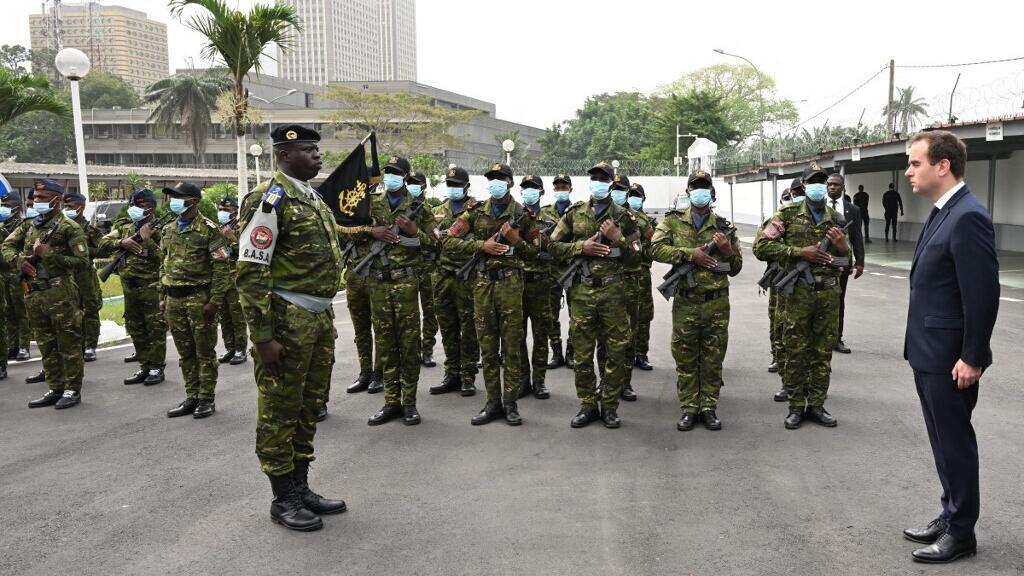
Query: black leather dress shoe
x,y
49,399
946,549
155,376
929,533
586,415
540,391
410,416
492,411
468,388
376,382
687,422
449,383
68,399
386,414
821,416
238,358
361,383
841,347
773,367
642,363
204,409
89,355
512,416
710,419
781,395
37,377
321,414
794,419
184,409
226,357
133,357
610,418
138,378
628,394
428,360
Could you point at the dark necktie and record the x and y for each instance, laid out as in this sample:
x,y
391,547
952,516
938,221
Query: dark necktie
x,y
931,216
834,204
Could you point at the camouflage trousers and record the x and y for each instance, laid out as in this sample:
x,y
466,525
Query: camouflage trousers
x,y
700,336
57,324
631,295
232,320
597,314
555,304
774,326
809,323
458,329
396,332
642,329
3,330
195,341
428,321
90,297
19,335
144,322
357,299
498,314
286,407
536,310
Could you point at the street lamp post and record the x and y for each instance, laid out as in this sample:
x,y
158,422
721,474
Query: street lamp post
x,y
508,146
270,123
256,151
73,64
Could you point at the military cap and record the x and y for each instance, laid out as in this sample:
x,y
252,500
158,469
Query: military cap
x,y
399,164
814,170
294,134
73,197
417,178
796,183
563,179
620,182
532,181
186,189
637,190
698,176
602,167
14,196
229,202
499,170
145,194
457,176
49,185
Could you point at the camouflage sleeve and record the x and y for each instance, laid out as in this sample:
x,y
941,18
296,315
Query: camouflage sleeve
x,y
11,247
630,242
457,245
220,264
108,244
561,246
736,260
662,249
770,244
254,282
77,259
425,231
529,234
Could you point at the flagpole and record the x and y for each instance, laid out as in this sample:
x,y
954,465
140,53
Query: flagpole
x,y
366,139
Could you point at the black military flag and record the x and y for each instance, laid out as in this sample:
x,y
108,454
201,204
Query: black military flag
x,y
347,189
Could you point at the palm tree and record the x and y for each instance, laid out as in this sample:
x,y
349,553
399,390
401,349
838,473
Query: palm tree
x,y
239,40
188,100
906,111
21,94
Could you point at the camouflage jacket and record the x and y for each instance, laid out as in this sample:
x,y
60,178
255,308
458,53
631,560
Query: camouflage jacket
x,y
195,256
144,267
473,227
8,226
791,229
648,224
398,256
306,257
579,223
544,262
444,217
69,250
92,234
676,236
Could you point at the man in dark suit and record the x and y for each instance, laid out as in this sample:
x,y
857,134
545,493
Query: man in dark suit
x,y
861,201
839,202
891,202
954,299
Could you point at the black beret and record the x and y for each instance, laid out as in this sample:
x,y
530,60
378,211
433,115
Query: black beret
x,y
563,179
73,197
499,170
294,133
417,178
398,163
49,185
603,168
533,180
145,194
229,202
457,176
637,190
186,189
697,176
620,182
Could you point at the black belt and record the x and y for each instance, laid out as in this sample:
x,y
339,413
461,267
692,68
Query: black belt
x,y
599,281
40,284
706,296
495,274
392,274
184,291
137,283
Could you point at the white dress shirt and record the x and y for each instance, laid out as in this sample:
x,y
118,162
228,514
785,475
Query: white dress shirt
x,y
941,202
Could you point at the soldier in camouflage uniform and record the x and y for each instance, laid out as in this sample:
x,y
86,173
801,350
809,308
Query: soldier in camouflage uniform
x,y
394,279
642,328
417,184
700,315
795,193
606,237
501,233
562,185
810,315
49,252
194,277
8,202
144,320
88,283
537,283
15,328
453,296
232,321
289,269
357,299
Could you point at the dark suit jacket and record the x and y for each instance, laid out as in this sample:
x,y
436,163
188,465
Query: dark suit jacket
x,y
954,289
856,232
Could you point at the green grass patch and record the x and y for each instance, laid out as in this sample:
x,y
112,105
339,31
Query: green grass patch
x,y
113,311
112,287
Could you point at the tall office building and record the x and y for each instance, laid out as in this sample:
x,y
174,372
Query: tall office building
x,y
352,40
118,40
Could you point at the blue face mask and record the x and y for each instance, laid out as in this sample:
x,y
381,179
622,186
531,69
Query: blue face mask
x,y
415,190
635,202
223,216
497,188
42,208
392,182
599,190
72,214
561,195
177,205
136,213
455,193
5,213
30,212
531,196
701,197
619,196
816,192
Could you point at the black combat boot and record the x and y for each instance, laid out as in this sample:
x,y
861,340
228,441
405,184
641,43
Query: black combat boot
x,y
781,395
821,416
492,411
557,359
525,388
512,414
376,382
138,378
450,383
361,383
287,508
587,414
316,503
610,417
37,378
628,394
49,399
642,363
569,361
468,387
794,419
540,391
226,357
386,414
710,419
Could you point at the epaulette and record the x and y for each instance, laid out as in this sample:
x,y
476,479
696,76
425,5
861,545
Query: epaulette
x,y
574,206
473,204
273,195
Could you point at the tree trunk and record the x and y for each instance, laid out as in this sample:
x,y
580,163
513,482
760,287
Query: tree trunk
x,y
243,177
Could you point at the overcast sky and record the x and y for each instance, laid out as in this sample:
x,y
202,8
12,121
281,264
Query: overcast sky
x,y
538,60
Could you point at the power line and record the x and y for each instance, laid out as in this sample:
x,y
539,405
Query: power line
x,y
840,101
960,65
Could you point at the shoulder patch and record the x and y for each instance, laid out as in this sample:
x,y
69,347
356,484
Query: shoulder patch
x,y
458,228
274,194
774,229
473,203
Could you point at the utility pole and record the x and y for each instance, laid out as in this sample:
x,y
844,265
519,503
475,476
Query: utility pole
x,y
888,105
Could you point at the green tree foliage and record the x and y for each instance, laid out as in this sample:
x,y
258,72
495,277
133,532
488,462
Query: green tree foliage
x,y
15,58
38,137
188,100
908,111
24,93
693,112
607,126
101,89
